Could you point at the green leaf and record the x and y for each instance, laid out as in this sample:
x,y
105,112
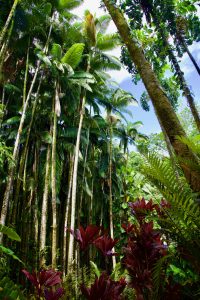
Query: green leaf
x,y
69,4
43,58
73,55
46,137
9,252
95,269
56,51
12,120
10,233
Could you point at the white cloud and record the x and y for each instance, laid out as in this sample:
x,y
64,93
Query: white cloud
x,y
186,64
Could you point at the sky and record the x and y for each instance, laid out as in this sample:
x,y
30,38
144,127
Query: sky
x,y
150,123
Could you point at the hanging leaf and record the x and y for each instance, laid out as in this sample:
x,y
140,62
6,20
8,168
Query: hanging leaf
x,y
56,51
73,55
10,233
9,252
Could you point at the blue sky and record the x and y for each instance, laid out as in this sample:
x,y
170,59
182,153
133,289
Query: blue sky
x,y
124,78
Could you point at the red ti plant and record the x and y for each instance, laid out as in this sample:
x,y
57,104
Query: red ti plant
x,y
145,247
105,244
53,295
141,208
85,236
104,289
45,280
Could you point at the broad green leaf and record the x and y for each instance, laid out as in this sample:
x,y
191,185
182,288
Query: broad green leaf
x,y
44,58
10,233
12,120
69,4
73,55
9,252
56,51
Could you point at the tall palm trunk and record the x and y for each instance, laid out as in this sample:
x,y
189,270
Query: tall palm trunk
x,y
182,82
71,162
158,97
183,43
74,184
43,230
12,167
11,14
53,181
74,179
110,193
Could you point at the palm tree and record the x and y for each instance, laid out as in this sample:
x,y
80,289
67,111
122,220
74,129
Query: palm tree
x,y
158,97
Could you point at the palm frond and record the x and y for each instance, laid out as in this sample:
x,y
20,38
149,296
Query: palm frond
x,y
107,42
69,4
74,55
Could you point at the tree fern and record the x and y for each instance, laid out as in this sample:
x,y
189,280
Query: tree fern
x,y
74,55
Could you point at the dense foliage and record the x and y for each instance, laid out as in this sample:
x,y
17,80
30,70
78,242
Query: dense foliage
x,y
83,216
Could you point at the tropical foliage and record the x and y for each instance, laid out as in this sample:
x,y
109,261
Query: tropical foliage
x,y
91,207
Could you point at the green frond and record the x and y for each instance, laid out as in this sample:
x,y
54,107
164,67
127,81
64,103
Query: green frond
x,y
74,55
107,42
157,275
69,4
102,23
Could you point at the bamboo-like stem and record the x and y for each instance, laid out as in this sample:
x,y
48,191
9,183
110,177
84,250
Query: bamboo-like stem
x,y
11,14
53,182
65,233
43,230
74,180
110,193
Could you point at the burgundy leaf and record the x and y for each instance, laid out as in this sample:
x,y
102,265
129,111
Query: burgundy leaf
x,y
104,289
105,244
141,208
53,295
87,236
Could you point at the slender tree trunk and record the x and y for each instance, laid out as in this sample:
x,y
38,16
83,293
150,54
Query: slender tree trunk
x,y
5,28
74,179
182,82
110,193
189,54
67,215
22,160
74,184
11,170
159,98
12,167
43,231
4,49
53,182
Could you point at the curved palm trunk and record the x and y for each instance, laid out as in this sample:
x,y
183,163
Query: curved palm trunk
x,y
45,209
11,14
160,101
